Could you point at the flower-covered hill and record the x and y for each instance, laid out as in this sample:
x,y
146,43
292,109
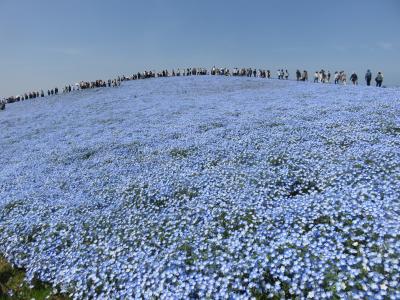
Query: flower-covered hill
x,y
205,187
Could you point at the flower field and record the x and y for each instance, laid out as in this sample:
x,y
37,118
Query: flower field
x,y
205,187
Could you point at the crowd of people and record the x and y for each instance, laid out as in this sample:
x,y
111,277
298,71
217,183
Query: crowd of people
x,y
321,76
341,77
67,89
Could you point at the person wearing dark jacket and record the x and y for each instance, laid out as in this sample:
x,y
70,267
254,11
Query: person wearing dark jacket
x,y
354,78
368,77
298,75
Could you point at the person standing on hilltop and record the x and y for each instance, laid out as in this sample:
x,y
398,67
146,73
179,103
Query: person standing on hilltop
x,y
322,76
286,74
305,75
379,79
368,77
316,76
336,77
344,78
298,75
354,78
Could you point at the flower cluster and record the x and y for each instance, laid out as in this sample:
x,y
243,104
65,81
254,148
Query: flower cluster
x,y
210,187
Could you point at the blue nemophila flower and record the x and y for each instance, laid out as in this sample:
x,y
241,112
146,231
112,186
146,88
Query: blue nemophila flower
x,y
233,189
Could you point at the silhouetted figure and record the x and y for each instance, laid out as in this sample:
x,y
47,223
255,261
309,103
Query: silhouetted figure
x,y
368,77
354,78
298,75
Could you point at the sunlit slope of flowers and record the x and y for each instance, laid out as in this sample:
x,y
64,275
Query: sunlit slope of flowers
x,y
205,187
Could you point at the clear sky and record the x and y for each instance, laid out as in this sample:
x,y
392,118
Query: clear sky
x,y
47,43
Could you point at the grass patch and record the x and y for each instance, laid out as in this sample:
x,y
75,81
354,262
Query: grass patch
x,y
278,160
88,154
180,153
10,206
303,188
210,126
186,192
392,130
14,286
231,224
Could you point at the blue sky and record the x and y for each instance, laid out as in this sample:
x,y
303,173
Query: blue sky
x,y
47,43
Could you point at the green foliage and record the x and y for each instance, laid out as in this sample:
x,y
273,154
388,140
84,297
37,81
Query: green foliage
x,y
186,192
14,286
392,130
180,153
12,205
